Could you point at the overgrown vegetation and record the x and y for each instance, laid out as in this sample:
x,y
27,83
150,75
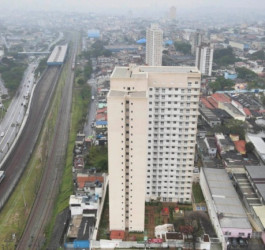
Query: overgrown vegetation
x,y
12,72
221,84
98,158
82,75
197,193
224,57
103,229
183,47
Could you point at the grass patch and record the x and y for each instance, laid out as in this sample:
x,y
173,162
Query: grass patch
x,y
197,193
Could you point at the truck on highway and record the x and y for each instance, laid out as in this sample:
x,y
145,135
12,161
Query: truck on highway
x,y
2,175
93,98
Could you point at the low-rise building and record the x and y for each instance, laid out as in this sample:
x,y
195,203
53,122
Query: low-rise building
x,y
225,209
209,117
224,143
211,146
232,110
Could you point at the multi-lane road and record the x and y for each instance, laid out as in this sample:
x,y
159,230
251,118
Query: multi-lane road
x,y
18,159
15,114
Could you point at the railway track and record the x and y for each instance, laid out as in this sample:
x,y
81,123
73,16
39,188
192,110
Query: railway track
x,y
20,155
33,236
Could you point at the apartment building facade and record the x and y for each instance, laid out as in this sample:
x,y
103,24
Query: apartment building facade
x,y
152,134
154,46
204,59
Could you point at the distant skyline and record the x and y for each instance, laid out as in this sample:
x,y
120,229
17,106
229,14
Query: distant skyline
x,y
118,5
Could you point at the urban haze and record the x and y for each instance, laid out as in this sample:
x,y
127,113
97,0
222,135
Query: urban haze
x,y
132,124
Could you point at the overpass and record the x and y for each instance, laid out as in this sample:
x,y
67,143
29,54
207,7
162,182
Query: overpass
x,y
33,53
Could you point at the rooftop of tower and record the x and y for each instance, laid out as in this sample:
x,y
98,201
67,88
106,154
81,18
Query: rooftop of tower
x,y
134,71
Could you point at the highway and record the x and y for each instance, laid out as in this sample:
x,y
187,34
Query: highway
x,y
18,159
33,236
13,118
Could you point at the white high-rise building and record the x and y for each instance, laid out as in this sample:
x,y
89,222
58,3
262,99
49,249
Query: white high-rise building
x,y
204,59
152,129
154,46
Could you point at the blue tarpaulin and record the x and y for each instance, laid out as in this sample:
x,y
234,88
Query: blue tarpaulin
x,y
102,123
141,41
81,244
168,42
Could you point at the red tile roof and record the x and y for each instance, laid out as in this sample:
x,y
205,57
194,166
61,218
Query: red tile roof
x,y
81,180
117,235
240,146
103,110
247,111
206,103
218,97
101,117
212,102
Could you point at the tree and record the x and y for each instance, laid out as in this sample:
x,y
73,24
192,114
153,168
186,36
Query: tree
x,y
232,126
224,57
183,47
250,147
259,55
192,226
246,74
81,81
221,84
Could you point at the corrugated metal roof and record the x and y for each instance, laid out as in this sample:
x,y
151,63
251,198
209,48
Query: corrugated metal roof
x,y
226,200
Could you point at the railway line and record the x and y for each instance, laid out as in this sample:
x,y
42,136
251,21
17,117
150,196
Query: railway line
x,y
33,236
20,155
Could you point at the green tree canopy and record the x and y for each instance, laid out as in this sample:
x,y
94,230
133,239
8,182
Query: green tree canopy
x,y
221,84
246,74
232,126
259,55
183,47
98,158
224,57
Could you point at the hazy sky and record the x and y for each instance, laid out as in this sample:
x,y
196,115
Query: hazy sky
x,y
99,5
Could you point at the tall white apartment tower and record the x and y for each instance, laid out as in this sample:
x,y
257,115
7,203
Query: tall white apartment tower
x,y
154,43
152,133
204,59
